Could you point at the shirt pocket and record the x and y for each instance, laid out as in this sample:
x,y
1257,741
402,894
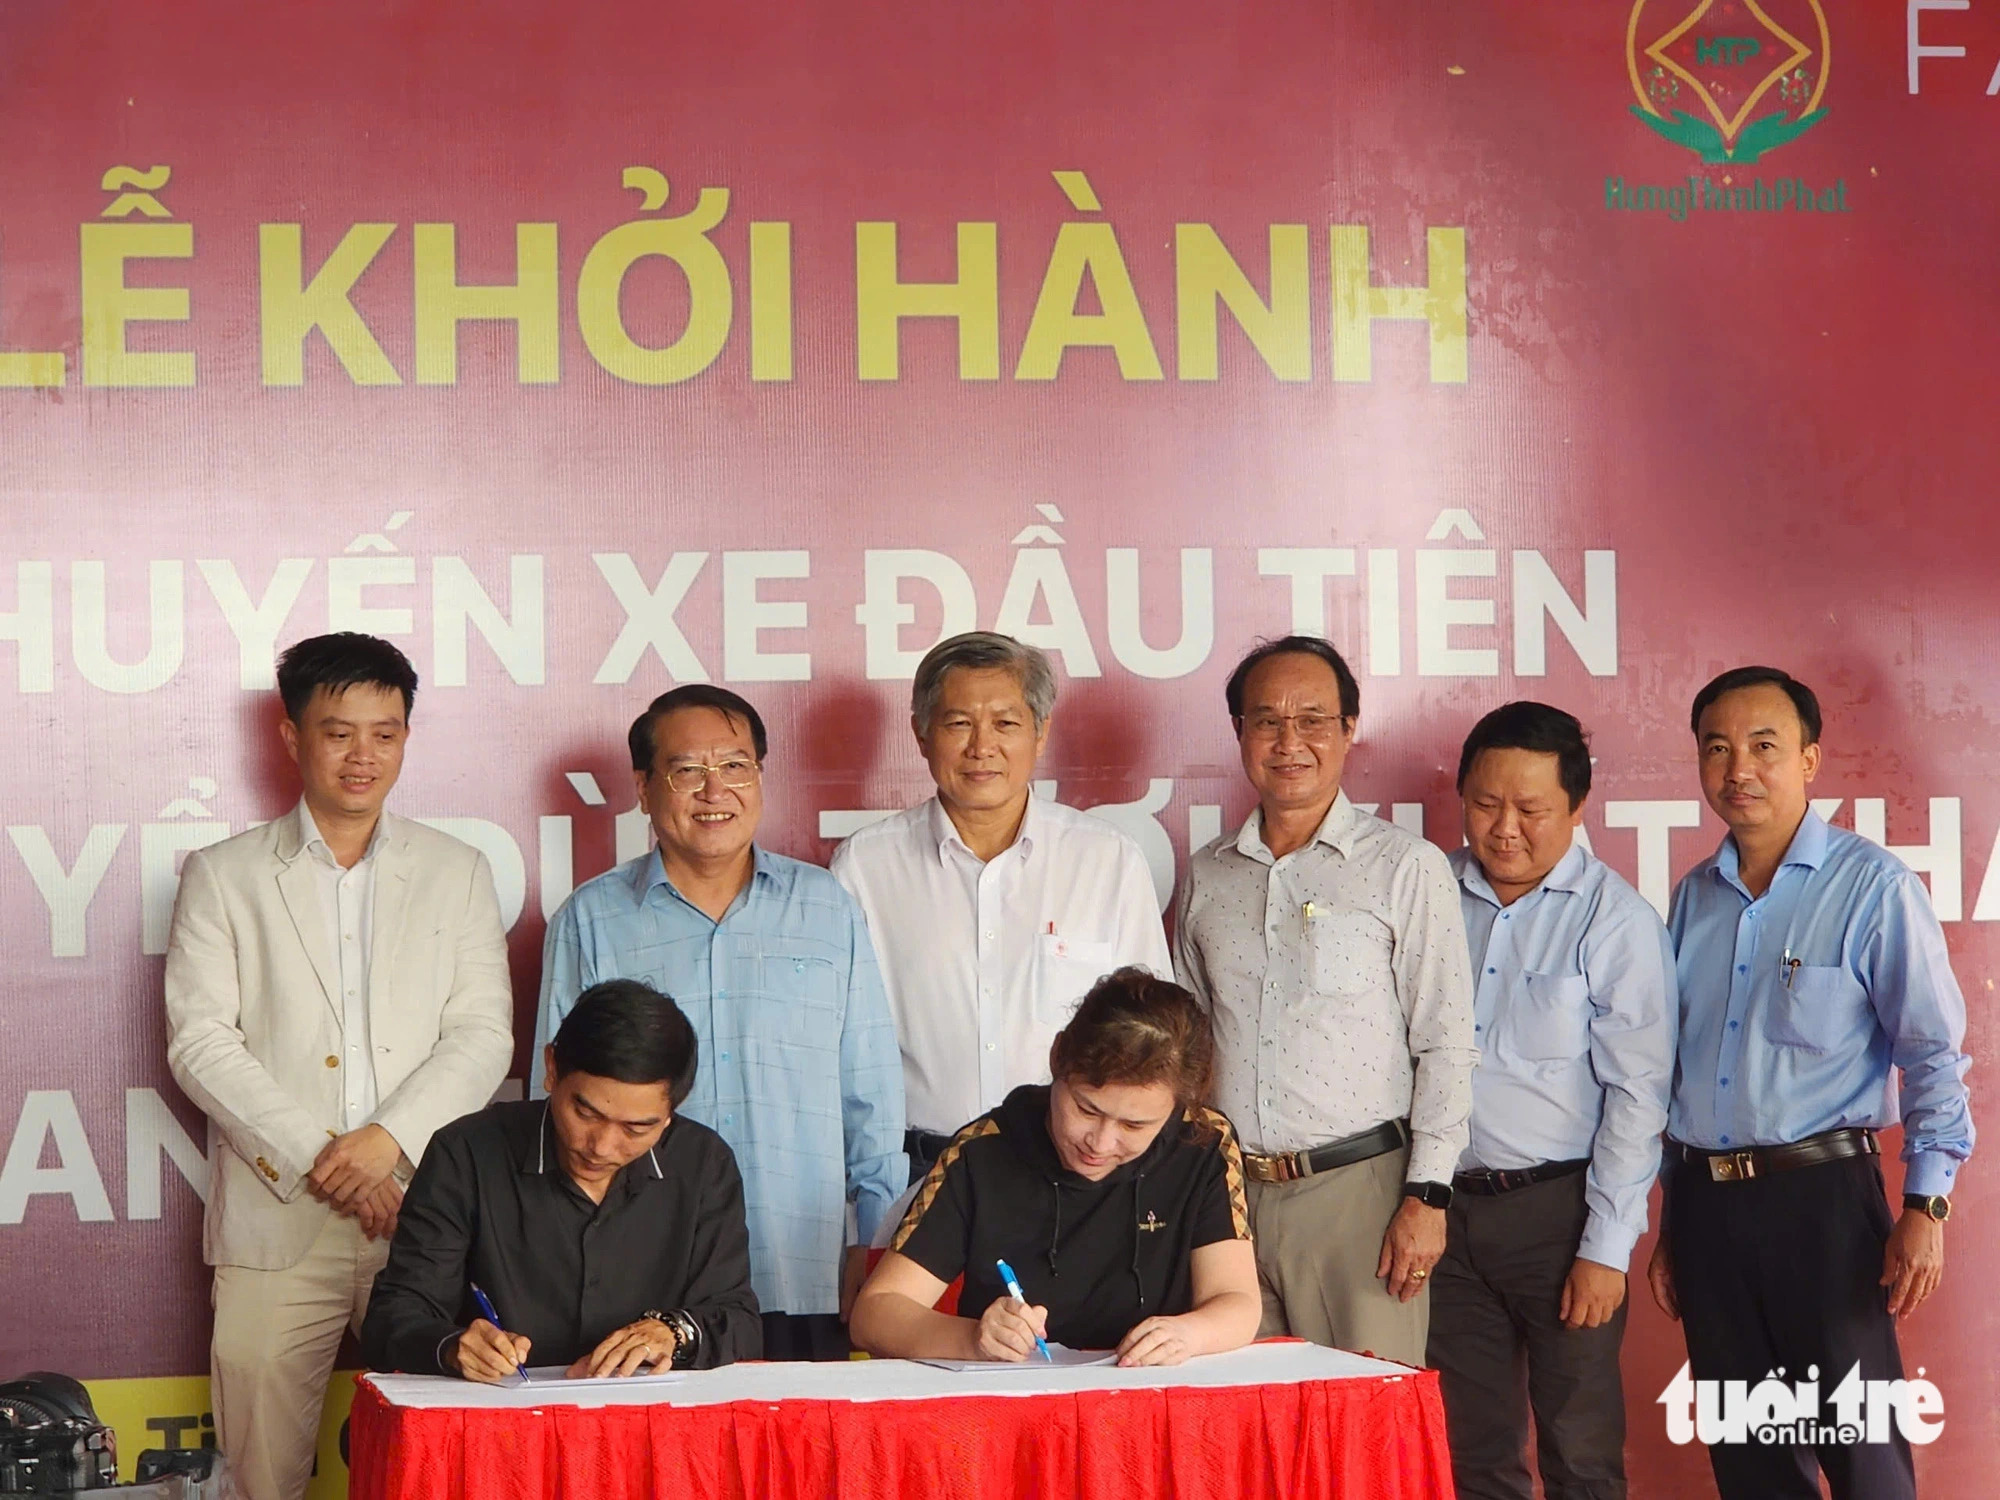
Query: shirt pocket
x,y
1819,1011
1348,956
1548,1018
1065,969
799,978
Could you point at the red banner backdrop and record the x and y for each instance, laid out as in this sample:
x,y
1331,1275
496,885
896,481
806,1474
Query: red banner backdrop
x,y
1569,351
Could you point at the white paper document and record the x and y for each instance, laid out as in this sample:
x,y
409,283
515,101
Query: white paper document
x,y
557,1382
1060,1356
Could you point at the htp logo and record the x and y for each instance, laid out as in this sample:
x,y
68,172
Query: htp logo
x,y
1728,79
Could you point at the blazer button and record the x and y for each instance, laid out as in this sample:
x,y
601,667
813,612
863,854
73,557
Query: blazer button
x,y
332,1061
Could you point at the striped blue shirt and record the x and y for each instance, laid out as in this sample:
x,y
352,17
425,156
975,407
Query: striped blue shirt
x,y
799,1069
1800,1006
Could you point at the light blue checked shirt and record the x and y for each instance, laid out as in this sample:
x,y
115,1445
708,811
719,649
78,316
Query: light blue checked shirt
x,y
799,1068
1764,1061
1573,1005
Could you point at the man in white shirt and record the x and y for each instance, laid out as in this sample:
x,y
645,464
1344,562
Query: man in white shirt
x,y
1329,947
336,991
992,911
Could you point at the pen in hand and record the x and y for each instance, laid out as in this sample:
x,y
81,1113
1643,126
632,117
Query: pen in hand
x,y
1013,1284
486,1311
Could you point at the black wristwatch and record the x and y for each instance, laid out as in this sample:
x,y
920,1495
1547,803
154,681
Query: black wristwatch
x,y
1430,1194
1935,1205
687,1335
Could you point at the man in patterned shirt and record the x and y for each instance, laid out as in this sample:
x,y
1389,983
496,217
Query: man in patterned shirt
x,y
770,960
1330,949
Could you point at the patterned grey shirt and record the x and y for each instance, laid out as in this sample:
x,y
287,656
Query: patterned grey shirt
x,y
1339,984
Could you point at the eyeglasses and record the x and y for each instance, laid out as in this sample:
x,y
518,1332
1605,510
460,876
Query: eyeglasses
x,y
1309,726
734,774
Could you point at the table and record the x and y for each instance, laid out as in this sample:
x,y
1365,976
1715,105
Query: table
x,y
1280,1420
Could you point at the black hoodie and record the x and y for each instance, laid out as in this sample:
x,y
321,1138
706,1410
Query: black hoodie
x,y
1101,1256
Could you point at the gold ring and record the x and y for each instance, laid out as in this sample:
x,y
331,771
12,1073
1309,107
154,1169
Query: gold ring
x,y
1418,1275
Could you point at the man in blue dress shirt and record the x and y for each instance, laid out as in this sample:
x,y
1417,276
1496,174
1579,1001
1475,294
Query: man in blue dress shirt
x,y
1573,1007
770,959
1812,969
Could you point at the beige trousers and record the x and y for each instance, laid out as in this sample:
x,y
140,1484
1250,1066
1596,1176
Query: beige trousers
x,y
276,1335
1318,1242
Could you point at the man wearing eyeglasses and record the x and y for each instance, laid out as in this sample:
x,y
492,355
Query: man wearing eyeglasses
x,y
1330,948
770,959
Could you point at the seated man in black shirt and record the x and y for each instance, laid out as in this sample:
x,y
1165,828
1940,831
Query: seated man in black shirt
x,y
606,1233
1114,1196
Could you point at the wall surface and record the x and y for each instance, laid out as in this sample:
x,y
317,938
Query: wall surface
x,y
1528,350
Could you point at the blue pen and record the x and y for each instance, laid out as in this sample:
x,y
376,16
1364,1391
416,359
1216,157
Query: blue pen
x,y
486,1311
1014,1290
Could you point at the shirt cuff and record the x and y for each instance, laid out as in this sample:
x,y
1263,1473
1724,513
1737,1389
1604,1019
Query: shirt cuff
x,y
1931,1173
1432,1159
1609,1244
869,1211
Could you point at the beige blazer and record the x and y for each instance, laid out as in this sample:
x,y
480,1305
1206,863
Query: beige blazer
x,y
254,1017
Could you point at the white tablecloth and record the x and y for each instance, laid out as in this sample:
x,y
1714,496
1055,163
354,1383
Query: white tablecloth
x,y
1277,1363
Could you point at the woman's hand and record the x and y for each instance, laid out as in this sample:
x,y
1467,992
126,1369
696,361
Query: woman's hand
x,y
1157,1341
1008,1329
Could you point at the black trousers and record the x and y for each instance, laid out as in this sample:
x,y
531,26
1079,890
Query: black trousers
x,y
923,1147
805,1336
1500,1349
1783,1272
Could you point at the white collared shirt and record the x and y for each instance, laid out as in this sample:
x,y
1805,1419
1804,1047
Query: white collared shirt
x,y
347,898
1339,983
984,961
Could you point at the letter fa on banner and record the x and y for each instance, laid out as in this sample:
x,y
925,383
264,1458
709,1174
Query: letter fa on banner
x,y
1855,1411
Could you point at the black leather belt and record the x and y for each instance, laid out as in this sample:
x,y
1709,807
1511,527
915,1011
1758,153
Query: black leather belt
x,y
1761,1161
1290,1166
1489,1182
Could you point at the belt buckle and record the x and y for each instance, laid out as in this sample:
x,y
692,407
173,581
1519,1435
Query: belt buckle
x,y
1733,1166
1280,1167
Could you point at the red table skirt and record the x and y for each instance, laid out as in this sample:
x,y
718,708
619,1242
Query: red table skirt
x,y
1355,1439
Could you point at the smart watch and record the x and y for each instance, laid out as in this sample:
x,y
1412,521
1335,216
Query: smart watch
x,y
1430,1194
1935,1205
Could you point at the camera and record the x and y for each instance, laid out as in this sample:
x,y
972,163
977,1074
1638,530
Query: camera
x,y
50,1439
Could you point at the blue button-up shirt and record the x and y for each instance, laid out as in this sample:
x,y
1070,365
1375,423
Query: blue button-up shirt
x,y
799,1069
1573,1005
1771,1052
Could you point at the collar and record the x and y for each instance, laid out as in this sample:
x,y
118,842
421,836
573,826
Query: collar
x,y
1337,830
944,833
1566,876
648,871
535,1155
1807,849
311,841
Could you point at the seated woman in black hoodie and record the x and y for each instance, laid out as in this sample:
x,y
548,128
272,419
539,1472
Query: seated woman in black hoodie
x,y
1115,1197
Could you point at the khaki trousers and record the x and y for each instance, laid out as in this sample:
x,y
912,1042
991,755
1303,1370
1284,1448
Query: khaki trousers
x,y
1318,1242
276,1335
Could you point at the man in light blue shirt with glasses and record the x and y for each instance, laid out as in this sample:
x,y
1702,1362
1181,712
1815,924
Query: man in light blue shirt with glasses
x,y
1573,1009
770,960
1812,971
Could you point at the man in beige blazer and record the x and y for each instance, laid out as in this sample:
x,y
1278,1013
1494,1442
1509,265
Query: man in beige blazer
x,y
336,991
